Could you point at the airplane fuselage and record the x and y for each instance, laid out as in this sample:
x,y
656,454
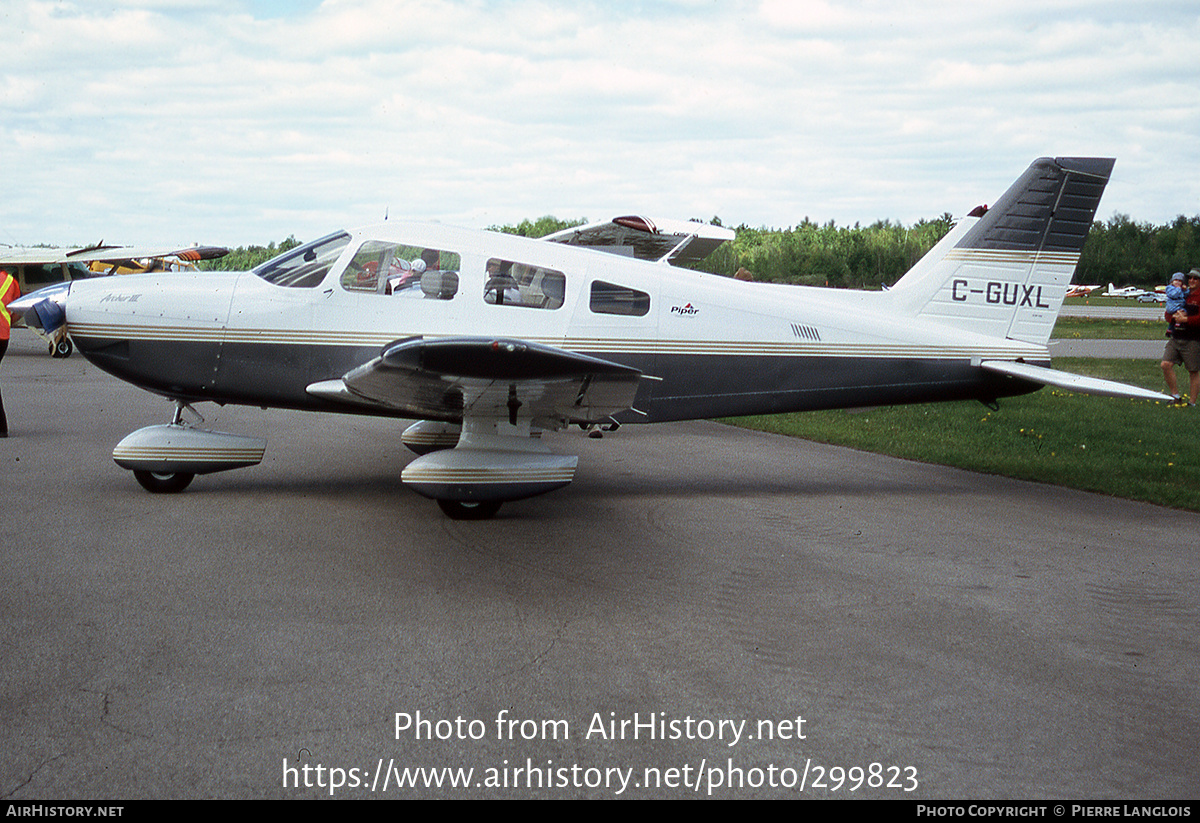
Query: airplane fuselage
x,y
719,347
489,340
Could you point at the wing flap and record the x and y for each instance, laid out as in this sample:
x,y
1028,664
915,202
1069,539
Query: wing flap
x,y
450,378
1072,382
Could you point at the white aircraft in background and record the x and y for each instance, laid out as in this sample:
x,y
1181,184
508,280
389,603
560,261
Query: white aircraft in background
x,y
490,340
1128,291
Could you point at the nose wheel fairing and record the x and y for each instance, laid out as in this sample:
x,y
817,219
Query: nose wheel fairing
x,y
164,458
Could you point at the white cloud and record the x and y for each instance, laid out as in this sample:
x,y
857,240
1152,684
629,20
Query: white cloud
x,y
235,122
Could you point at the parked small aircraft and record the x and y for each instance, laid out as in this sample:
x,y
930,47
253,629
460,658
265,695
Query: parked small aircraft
x,y
490,340
1082,291
36,266
1128,291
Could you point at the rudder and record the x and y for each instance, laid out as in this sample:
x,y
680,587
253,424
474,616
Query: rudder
x,y
1004,271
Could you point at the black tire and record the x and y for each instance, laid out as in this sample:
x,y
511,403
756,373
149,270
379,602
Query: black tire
x,y
163,483
64,348
459,510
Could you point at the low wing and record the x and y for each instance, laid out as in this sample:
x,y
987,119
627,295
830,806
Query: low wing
x,y
1072,382
455,377
673,241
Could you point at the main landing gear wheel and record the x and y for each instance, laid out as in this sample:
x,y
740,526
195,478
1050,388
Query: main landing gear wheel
x,y
163,482
460,510
62,348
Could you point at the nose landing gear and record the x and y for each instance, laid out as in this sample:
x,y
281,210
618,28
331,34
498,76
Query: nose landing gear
x,y
164,459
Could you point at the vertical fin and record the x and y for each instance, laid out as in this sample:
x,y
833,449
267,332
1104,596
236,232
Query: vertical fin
x,y
1004,273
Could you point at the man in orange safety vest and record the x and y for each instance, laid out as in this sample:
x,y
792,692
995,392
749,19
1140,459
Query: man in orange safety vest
x,y
9,291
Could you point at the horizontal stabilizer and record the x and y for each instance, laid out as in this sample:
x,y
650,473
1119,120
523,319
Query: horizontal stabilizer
x,y
1072,382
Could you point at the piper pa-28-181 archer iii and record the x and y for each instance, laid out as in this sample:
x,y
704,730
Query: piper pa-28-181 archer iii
x,y
489,340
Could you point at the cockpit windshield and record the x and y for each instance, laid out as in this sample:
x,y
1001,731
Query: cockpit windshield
x,y
304,267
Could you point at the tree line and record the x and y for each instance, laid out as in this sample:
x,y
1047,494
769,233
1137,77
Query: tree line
x,y
244,258
1120,251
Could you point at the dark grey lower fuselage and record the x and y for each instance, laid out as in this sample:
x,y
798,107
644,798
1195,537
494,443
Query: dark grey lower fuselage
x,y
691,386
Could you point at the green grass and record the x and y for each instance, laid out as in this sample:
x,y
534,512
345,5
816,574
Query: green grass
x,y
1125,448
1101,329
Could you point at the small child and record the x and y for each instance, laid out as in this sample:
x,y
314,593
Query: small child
x,y
1176,293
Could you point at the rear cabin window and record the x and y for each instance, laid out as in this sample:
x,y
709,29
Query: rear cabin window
x,y
509,283
397,270
609,298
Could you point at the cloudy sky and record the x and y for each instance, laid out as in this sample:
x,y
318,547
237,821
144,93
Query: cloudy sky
x,y
237,122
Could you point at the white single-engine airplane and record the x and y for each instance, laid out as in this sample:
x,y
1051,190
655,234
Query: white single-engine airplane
x,y
490,340
1127,291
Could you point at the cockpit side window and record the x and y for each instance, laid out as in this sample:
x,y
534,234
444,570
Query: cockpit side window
x,y
304,267
509,283
394,269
